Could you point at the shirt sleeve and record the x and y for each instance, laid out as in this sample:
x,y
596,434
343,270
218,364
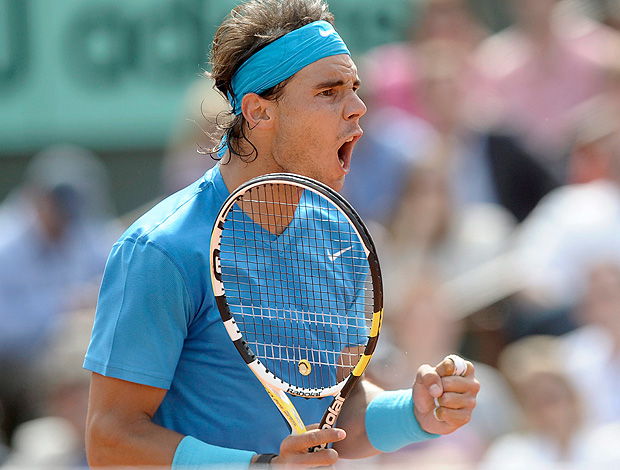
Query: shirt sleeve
x,y
142,316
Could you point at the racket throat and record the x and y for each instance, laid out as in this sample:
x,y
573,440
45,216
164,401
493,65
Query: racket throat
x,y
331,414
329,419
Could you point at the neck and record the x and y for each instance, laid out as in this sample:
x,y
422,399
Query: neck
x,y
272,207
235,171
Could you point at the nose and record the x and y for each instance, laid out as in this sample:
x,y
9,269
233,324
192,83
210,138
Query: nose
x,y
355,108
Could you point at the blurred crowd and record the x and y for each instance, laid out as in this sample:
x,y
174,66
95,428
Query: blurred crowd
x,y
489,175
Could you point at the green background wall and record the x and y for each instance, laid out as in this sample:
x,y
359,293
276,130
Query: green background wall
x,y
111,74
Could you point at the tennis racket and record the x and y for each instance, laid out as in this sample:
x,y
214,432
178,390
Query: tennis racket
x,y
298,285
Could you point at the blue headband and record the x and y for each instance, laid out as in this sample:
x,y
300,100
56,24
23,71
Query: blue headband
x,y
283,58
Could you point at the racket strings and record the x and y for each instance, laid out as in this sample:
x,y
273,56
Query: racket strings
x,y
296,280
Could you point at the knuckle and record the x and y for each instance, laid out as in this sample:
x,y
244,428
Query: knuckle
x,y
331,456
430,376
446,400
422,373
313,438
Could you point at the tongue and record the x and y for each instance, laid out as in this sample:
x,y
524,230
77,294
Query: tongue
x,y
343,156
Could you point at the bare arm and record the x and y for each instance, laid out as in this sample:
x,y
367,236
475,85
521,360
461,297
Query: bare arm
x,y
119,429
352,420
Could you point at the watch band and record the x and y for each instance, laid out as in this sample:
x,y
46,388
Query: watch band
x,y
263,461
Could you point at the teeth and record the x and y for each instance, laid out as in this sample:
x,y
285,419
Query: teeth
x,y
341,162
350,140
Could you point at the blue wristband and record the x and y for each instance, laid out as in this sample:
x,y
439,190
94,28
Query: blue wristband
x,y
390,422
192,454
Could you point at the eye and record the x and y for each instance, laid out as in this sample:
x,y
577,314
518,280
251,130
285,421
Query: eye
x,y
329,92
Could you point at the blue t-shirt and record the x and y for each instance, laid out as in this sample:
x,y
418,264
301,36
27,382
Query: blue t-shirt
x,y
157,324
303,292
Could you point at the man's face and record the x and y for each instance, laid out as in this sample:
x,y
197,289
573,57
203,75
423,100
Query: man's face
x,y
317,121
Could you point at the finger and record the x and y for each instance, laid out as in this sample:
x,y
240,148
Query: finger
x,y
454,365
457,401
430,379
321,458
460,384
460,366
452,417
302,442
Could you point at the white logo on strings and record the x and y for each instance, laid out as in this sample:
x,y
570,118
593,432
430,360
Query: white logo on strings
x,y
337,254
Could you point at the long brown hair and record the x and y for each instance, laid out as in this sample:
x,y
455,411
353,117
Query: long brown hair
x,y
246,30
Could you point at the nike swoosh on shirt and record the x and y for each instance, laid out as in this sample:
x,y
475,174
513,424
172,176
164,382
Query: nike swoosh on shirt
x,y
337,254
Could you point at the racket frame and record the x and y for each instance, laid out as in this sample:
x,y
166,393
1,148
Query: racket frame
x,y
276,387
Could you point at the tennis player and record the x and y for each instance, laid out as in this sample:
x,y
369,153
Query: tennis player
x,y
168,388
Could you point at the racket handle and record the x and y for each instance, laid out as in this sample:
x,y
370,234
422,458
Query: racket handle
x,y
317,448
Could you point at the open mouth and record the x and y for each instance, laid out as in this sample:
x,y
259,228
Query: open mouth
x,y
345,151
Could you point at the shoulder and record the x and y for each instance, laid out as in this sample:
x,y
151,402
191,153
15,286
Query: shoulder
x,y
185,217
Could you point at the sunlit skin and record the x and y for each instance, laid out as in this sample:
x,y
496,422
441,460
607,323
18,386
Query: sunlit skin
x,y
306,131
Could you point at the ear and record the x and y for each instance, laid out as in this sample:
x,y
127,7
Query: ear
x,y
257,111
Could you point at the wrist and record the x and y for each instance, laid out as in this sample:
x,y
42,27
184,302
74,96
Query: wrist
x,y
391,423
193,454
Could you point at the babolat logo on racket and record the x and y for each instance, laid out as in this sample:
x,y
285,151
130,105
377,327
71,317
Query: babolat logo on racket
x,y
300,392
332,412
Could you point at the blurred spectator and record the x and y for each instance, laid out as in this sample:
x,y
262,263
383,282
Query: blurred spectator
x,y
552,430
611,15
56,438
189,154
483,165
451,20
478,165
591,353
577,224
395,71
584,24
433,115
590,159
55,236
429,228
539,69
